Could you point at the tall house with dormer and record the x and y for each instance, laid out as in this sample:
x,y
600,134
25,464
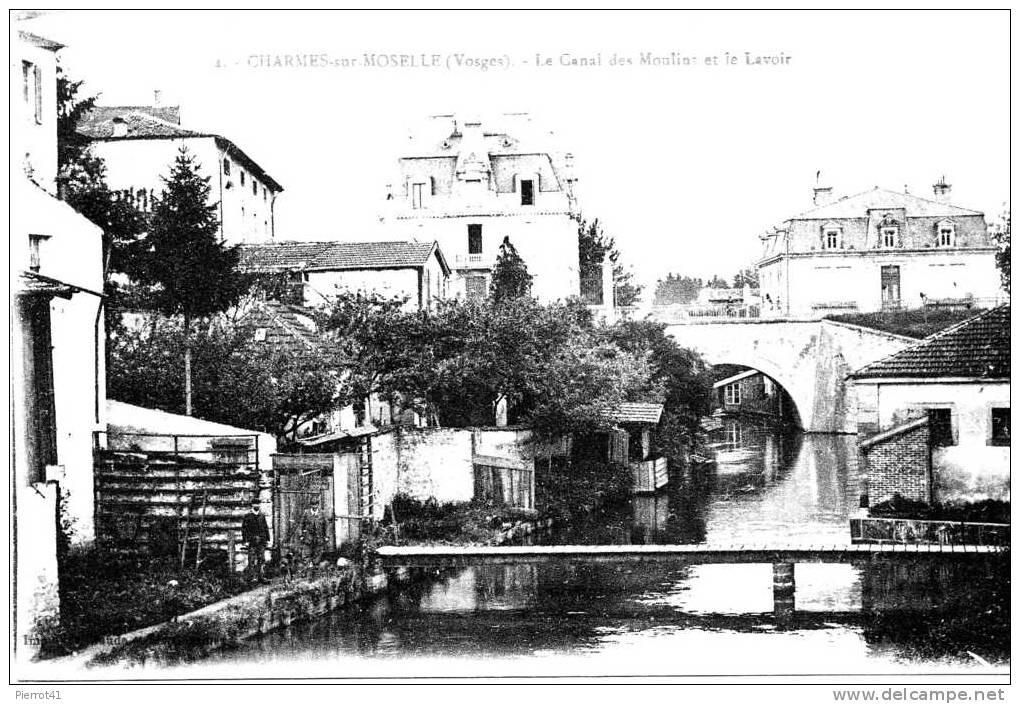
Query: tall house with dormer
x,y
469,185
877,250
139,145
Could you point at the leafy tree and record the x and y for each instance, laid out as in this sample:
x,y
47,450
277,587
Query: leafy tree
x,y
1002,256
593,247
677,289
717,282
236,380
510,277
82,176
186,268
747,276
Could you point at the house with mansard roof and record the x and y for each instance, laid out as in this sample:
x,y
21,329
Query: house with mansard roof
x,y
139,143
878,250
934,418
417,271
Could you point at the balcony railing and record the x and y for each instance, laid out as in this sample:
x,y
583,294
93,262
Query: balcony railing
x,y
473,261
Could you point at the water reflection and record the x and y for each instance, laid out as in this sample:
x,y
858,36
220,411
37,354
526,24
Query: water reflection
x,y
674,618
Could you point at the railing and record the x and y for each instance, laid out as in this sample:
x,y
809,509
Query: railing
x,y
676,313
905,531
473,261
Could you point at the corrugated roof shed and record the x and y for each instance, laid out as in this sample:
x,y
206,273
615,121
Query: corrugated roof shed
x,y
976,348
638,413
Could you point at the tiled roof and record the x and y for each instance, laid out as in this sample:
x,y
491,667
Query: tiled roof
x,y
373,255
141,121
857,206
978,347
147,122
336,256
283,327
282,256
638,413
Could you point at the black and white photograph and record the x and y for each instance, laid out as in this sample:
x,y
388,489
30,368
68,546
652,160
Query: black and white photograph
x,y
510,347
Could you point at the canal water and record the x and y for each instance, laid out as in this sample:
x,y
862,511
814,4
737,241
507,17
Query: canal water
x,y
675,618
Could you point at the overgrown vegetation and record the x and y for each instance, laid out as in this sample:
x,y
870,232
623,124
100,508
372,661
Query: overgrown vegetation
x,y
103,595
988,511
460,523
917,323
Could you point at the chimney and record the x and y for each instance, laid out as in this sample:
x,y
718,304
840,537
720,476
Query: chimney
x,y
822,195
157,98
942,190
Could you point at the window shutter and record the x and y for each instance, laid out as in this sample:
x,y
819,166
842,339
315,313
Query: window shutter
x,y
38,94
432,185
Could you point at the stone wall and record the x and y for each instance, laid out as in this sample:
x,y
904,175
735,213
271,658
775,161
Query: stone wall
x,y
898,461
435,463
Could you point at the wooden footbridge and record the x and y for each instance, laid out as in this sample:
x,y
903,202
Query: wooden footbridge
x,y
699,554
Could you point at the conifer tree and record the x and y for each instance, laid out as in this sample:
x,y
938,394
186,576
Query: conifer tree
x,y
188,270
510,277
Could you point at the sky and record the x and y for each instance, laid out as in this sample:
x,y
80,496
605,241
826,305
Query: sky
x,y
685,165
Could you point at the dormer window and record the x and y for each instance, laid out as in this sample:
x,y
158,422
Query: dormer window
x,y
945,234
832,237
890,235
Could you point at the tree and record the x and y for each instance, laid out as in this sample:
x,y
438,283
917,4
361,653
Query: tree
x,y
676,289
717,282
237,380
510,277
82,176
188,271
1002,256
593,247
747,276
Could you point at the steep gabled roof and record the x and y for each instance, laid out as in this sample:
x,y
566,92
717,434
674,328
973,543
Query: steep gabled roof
x,y
339,256
858,205
976,348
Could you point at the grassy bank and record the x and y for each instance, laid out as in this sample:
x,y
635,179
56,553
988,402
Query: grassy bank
x,y
910,323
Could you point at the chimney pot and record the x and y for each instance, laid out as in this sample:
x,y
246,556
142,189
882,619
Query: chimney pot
x,y
942,189
822,195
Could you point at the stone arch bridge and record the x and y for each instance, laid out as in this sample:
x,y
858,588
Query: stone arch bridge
x,y
810,359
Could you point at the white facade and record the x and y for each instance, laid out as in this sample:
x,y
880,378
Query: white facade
x,y
136,166
421,286
469,185
877,250
975,465
57,344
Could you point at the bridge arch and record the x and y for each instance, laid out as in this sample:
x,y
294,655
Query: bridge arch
x,y
801,398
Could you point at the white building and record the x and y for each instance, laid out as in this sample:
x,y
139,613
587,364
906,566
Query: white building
x,y
877,250
415,271
468,185
139,145
57,343
958,381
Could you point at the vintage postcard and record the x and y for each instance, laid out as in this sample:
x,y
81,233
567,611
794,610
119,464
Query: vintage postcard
x,y
511,346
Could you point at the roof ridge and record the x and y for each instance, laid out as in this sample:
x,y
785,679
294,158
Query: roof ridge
x,y
884,190
931,338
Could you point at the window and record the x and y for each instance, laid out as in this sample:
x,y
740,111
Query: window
x,y
890,236
31,89
254,187
833,238
359,413
1000,426
34,244
527,192
940,426
734,435
946,235
474,239
242,178
226,167
260,334
731,393
264,197
417,195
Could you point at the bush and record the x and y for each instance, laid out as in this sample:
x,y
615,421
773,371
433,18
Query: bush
x,y
987,511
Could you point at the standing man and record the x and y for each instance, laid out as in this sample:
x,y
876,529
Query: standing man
x,y
255,535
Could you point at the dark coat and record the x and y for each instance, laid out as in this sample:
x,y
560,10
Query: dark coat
x,y
255,529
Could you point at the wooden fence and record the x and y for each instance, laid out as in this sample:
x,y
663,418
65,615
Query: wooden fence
x,y
649,475
195,500
504,481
